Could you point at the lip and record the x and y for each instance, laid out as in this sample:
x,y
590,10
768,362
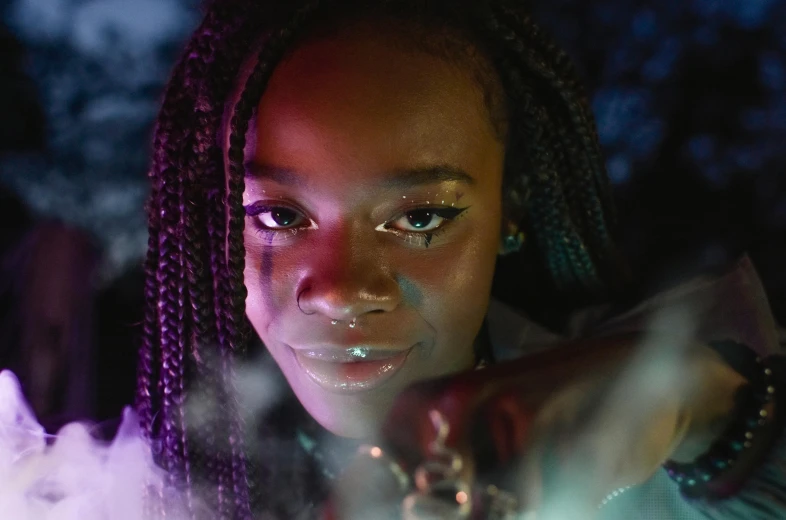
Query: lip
x,y
350,370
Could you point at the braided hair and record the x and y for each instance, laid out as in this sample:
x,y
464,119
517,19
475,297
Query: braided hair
x,y
554,184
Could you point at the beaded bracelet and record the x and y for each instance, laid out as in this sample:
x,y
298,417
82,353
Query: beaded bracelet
x,y
750,415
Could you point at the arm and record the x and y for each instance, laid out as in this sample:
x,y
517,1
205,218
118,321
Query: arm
x,y
733,306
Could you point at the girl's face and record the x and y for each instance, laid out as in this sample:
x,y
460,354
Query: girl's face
x,y
373,194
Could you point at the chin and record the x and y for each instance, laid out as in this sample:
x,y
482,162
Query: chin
x,y
357,416
349,431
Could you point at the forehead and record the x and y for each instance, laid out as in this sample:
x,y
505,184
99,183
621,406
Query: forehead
x,y
363,103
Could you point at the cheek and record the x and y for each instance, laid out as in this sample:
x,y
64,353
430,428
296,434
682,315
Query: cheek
x,y
455,284
265,283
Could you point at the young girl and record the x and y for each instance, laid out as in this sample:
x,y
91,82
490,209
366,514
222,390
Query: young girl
x,y
338,186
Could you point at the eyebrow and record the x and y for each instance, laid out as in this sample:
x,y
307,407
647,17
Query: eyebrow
x,y
396,179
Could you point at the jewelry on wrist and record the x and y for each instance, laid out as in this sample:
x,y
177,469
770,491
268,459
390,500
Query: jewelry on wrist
x,y
750,415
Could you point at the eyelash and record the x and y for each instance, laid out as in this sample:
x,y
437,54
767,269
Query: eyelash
x,y
419,238
424,238
257,209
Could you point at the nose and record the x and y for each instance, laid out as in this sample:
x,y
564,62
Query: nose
x,y
345,279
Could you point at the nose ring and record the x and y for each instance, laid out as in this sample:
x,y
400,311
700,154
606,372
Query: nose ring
x,y
297,301
352,324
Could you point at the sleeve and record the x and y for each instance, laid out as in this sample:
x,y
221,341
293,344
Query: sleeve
x,y
732,306
762,498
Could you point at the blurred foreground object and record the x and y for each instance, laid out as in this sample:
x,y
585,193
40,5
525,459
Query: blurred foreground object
x,y
46,326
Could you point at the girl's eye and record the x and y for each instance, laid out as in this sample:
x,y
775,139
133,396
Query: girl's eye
x,y
277,223
423,220
421,224
279,218
271,221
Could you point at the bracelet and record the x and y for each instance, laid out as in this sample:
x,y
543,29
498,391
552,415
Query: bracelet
x,y
750,414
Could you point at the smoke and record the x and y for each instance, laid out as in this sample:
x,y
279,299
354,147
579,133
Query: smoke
x,y
75,476
72,475
636,421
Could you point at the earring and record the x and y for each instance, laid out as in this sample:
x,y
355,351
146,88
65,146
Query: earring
x,y
513,240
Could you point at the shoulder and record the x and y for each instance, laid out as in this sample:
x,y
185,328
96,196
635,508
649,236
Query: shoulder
x,y
730,305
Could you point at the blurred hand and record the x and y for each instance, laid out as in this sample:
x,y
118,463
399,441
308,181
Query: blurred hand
x,y
557,432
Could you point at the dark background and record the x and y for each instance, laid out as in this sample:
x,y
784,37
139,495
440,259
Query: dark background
x,y
690,98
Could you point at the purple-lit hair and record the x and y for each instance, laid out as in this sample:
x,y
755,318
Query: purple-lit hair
x,y
555,185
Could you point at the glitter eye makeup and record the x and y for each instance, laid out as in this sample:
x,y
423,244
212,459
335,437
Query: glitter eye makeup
x,y
416,226
419,226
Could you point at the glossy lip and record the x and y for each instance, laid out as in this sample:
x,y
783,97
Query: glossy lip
x,y
348,355
350,370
